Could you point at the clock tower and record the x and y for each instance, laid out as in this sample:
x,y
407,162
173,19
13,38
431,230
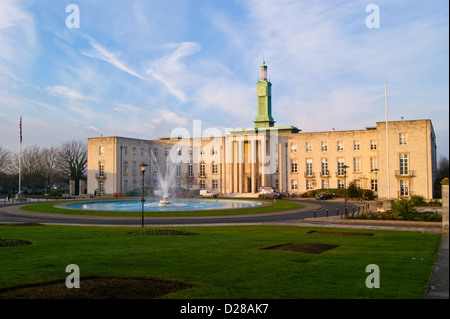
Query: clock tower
x,y
264,99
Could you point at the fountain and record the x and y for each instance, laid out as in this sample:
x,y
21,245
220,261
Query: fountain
x,y
165,180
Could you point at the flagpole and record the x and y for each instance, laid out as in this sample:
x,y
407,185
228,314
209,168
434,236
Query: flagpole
x,y
387,141
20,155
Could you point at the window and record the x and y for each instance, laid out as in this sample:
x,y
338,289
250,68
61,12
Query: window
x,y
101,169
294,184
178,172
373,144
402,139
215,184
293,147
155,152
100,186
374,185
309,184
125,167
340,183
214,150
214,168
356,145
341,168
202,184
125,150
142,151
373,164
340,146
325,184
134,151
101,150
125,185
179,151
308,147
323,146
324,167
293,166
190,170
309,167
202,169
404,187
357,165
133,167
166,151
403,162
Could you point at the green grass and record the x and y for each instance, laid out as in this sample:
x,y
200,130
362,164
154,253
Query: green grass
x,y
226,262
280,205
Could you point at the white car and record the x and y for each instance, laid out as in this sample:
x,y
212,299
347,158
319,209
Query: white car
x,y
207,193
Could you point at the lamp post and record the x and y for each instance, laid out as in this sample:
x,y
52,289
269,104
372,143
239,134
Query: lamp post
x,y
345,185
143,168
376,181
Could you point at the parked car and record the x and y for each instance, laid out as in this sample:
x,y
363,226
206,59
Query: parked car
x,y
268,192
324,195
207,193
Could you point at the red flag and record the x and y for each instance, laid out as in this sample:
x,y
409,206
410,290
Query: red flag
x,y
20,128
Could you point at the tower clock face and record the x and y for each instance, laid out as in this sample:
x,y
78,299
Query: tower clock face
x,y
262,91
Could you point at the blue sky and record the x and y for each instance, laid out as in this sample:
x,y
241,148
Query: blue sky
x,y
141,68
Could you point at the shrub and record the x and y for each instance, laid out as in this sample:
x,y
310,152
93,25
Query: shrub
x,y
403,207
417,200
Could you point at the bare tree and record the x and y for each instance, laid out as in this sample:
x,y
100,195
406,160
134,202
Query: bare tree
x,y
5,159
72,159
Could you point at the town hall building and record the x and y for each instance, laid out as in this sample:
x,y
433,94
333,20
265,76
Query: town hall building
x,y
395,159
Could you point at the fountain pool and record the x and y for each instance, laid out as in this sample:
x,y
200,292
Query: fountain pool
x,y
154,205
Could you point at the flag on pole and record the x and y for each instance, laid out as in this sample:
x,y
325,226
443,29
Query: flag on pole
x,y
20,128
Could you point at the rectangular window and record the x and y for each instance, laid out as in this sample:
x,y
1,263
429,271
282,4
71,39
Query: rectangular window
x,y
202,184
374,185
100,186
404,187
340,166
202,170
214,168
403,164
125,185
155,152
402,139
134,151
340,146
293,147
325,184
324,168
101,150
215,184
323,146
178,172
190,170
125,167
133,167
309,184
125,150
294,184
340,183
356,145
357,165
309,167
293,166
373,144
373,164
142,151
166,151
308,147
101,169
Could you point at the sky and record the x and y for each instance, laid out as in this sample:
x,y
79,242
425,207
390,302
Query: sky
x,y
141,68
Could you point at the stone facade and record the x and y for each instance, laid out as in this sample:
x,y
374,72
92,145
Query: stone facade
x,y
283,157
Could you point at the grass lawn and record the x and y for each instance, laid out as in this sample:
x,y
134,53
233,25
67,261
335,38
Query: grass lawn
x,y
280,205
226,262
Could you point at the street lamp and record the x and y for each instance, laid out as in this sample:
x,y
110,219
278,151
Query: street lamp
x,y
143,168
345,185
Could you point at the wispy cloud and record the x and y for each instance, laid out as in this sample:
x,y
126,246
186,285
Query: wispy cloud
x,y
101,53
60,90
170,70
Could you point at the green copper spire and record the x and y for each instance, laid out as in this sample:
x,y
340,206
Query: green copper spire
x,y
264,100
